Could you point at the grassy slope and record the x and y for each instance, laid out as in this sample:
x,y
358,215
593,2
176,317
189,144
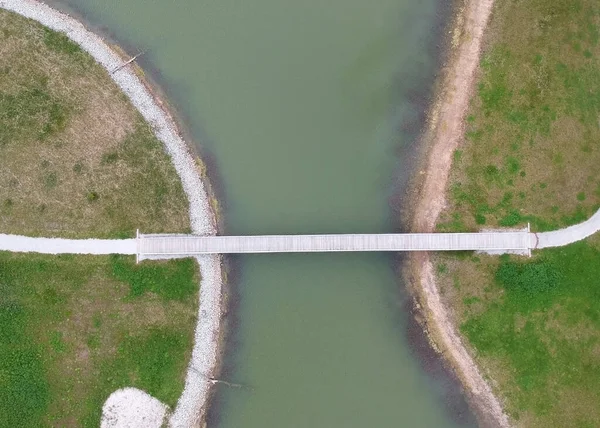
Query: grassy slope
x,y
531,154
77,160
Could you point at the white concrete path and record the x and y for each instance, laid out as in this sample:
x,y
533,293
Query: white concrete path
x,y
562,237
26,244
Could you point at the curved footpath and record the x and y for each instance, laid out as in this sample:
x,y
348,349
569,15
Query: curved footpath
x,y
192,403
570,234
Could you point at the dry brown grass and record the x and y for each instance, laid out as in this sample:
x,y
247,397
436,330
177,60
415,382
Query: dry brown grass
x,y
537,109
98,170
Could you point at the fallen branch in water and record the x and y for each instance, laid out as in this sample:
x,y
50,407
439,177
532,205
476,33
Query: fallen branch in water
x,y
234,385
128,62
214,381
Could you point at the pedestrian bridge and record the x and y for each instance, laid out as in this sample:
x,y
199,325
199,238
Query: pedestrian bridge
x,y
492,242
174,246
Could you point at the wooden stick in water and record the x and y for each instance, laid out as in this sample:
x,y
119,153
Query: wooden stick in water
x,y
128,62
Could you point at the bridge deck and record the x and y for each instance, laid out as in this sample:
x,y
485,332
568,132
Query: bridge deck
x,y
158,246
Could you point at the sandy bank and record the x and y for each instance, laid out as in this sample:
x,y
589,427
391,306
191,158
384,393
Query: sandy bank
x,y
446,128
191,405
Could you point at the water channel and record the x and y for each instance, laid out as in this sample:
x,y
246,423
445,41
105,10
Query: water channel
x,y
304,107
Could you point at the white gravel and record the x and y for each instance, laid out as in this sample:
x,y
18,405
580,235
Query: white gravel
x,y
192,403
132,407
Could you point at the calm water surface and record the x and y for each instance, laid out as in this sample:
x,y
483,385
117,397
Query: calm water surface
x,y
304,106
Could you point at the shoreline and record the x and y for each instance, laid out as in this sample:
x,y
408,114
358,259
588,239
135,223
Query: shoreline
x,y
192,404
427,194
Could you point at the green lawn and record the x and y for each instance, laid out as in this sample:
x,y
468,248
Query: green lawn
x,y
73,329
530,155
546,326
77,160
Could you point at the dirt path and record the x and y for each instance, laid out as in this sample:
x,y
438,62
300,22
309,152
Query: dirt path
x,y
445,132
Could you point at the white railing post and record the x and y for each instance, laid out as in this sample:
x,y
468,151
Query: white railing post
x,y
137,246
529,234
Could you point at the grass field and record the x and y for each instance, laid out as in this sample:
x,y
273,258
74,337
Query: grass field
x,y
73,329
77,160
531,154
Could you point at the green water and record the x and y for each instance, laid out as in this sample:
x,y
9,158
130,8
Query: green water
x,y
304,106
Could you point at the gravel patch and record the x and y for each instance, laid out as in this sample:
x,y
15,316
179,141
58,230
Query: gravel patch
x,y
192,403
131,407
